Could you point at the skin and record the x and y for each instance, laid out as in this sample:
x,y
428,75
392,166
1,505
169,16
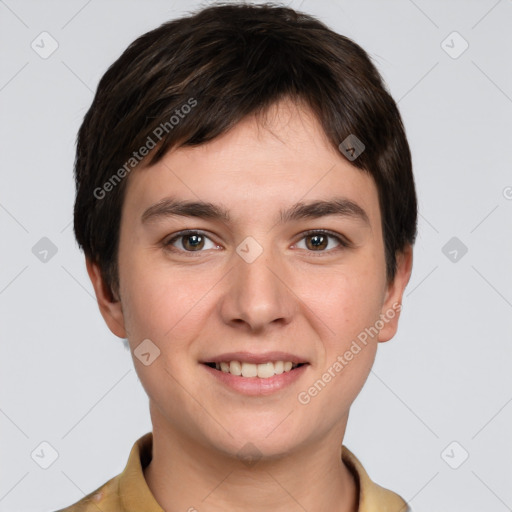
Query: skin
x,y
293,298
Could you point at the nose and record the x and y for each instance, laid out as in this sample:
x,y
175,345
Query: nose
x,y
259,295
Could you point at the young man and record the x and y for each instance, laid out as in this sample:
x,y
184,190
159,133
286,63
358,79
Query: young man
x,y
247,209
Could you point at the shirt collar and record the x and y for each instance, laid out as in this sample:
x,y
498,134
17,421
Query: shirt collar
x,y
372,497
135,494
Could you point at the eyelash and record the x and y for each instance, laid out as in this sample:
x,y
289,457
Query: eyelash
x,y
344,243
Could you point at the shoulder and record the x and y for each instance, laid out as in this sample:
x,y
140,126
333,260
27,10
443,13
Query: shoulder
x,y
104,498
127,490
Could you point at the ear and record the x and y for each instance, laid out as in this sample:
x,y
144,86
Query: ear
x,y
110,307
394,291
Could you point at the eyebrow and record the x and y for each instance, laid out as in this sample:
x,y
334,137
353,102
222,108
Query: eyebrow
x,y
340,206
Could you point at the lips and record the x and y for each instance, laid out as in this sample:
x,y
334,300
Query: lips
x,y
262,370
252,357
255,386
250,365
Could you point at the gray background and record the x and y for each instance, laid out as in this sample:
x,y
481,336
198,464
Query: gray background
x,y
66,380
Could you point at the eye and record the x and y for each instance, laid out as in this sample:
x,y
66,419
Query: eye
x,y
191,241
196,241
319,240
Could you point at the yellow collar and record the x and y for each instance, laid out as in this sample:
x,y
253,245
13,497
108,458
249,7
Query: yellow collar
x,y
129,492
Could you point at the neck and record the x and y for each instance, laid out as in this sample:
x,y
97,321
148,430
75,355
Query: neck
x,y
184,475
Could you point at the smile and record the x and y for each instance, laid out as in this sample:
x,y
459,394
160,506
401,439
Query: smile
x,y
255,378
263,370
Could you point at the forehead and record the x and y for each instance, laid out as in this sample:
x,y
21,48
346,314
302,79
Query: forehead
x,y
260,165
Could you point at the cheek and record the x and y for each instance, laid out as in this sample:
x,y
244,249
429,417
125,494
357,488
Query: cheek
x,y
347,302
165,307
160,302
350,306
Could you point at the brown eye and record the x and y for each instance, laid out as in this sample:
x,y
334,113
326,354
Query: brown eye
x,y
192,241
319,241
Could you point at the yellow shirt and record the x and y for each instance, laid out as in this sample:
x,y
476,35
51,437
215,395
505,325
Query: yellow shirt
x,y
129,492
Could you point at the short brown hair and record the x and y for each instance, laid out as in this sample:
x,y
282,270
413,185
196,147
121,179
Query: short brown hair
x,y
228,61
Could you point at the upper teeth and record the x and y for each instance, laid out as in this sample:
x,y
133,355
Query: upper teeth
x,y
263,370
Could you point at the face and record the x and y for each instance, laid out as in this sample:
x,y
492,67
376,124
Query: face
x,y
267,286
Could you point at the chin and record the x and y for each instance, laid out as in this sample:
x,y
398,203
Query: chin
x,y
251,449
269,437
